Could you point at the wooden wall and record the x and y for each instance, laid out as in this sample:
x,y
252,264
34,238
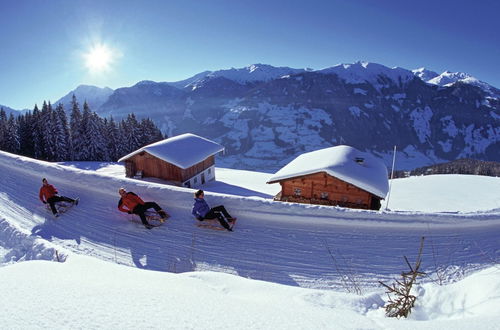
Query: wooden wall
x,y
152,166
312,186
201,166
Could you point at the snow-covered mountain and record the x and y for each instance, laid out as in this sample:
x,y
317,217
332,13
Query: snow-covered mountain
x,y
265,117
250,74
95,96
425,74
365,72
448,78
8,110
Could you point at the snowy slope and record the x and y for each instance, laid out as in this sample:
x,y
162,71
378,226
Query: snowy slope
x,y
91,294
275,242
278,242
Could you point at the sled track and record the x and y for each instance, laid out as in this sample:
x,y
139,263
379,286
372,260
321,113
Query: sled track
x,y
293,244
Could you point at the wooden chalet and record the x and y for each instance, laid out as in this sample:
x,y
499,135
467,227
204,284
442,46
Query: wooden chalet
x,y
340,175
185,160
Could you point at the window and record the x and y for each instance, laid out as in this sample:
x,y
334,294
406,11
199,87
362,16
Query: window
x,y
297,191
187,184
195,180
324,195
209,171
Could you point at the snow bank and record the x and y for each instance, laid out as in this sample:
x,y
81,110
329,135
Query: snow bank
x,y
88,293
21,246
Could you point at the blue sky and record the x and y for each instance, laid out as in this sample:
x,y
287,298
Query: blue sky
x,y
42,43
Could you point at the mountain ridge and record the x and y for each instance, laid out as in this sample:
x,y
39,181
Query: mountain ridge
x,y
277,113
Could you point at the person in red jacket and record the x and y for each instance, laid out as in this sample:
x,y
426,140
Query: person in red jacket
x,y
48,194
132,204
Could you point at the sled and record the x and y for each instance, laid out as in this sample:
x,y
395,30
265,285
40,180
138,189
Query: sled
x,y
154,216
154,219
61,207
214,224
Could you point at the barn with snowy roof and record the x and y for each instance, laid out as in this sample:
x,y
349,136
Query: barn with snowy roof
x,y
340,175
185,160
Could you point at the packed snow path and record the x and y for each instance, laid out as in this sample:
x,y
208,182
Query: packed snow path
x,y
293,244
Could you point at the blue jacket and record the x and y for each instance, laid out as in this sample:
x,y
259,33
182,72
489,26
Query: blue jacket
x,y
200,208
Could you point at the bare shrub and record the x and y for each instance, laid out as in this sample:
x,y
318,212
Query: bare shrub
x,y
402,301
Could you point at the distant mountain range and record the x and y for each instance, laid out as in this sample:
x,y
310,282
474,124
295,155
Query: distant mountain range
x,y
265,116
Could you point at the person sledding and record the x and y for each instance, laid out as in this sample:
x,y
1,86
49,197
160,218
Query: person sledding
x,y
132,204
49,195
202,211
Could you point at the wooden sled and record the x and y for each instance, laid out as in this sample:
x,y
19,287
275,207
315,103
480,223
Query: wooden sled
x,y
154,219
214,224
61,207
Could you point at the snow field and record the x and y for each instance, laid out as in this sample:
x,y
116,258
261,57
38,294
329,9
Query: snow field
x,y
321,253
86,292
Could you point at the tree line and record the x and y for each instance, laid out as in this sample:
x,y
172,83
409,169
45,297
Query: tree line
x,y
47,134
459,166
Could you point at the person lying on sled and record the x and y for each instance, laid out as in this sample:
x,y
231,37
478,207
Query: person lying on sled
x,y
202,211
48,194
132,204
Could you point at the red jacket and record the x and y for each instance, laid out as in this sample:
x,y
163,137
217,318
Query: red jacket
x,y
46,192
130,200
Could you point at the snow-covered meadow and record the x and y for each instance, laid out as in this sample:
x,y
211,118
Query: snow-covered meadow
x,y
273,272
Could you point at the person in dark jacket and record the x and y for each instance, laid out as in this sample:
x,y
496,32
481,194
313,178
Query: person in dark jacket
x,y
48,194
132,204
202,211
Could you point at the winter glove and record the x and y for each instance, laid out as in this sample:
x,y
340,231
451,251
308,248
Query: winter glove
x,y
129,212
44,202
199,218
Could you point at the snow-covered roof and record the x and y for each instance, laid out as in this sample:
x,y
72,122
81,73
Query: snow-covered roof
x,y
340,162
183,150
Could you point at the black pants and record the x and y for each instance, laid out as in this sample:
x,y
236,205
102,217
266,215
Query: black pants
x,y
141,209
54,199
217,212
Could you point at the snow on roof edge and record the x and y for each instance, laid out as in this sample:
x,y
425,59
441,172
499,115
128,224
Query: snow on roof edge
x,y
182,157
339,161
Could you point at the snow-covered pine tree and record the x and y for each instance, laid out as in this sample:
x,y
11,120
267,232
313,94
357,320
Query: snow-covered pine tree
x,y
94,140
149,132
3,128
25,124
131,133
48,129
111,135
61,134
76,138
11,141
36,134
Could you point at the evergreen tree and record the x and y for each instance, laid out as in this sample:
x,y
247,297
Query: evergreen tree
x,y
149,132
131,134
47,126
36,134
111,134
60,136
25,124
12,137
76,137
94,140
3,128
84,134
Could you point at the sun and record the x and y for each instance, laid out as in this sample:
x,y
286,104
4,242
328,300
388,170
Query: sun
x,y
99,58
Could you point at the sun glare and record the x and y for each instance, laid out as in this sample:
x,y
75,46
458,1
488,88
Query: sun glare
x,y
98,59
